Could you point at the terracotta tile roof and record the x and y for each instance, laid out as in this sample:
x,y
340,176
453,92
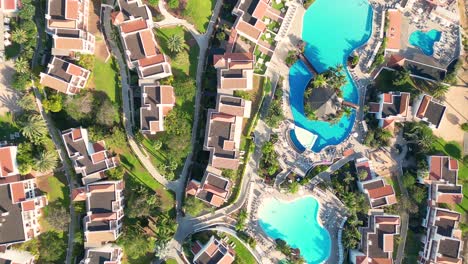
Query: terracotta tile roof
x,y
148,42
17,192
133,25
260,9
117,17
231,83
99,146
452,198
97,188
217,201
54,83
248,30
100,237
215,190
104,216
394,30
348,152
435,170
9,5
388,243
389,124
98,156
68,43
7,165
223,117
78,194
72,8
423,106
28,205
76,134
153,60
388,98
396,59
192,187
387,220
453,164
386,190
404,103
154,126
225,163
74,69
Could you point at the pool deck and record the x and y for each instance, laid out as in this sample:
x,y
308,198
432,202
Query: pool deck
x,y
331,214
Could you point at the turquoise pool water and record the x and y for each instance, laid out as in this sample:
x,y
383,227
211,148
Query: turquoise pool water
x,y
296,223
425,40
332,29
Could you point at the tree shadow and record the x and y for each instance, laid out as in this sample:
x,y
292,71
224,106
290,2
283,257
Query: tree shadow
x,y
453,150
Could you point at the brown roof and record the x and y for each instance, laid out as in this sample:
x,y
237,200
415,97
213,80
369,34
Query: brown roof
x,y
192,187
435,171
6,162
388,98
68,43
404,103
72,9
28,205
423,106
17,192
234,83
100,237
248,29
394,30
74,70
453,164
133,25
386,190
148,43
147,61
54,83
374,107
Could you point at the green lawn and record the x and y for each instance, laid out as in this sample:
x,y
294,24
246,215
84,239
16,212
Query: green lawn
x,y
394,182
243,255
454,150
134,169
412,247
58,189
108,80
189,54
12,51
7,126
384,83
278,6
198,13
170,261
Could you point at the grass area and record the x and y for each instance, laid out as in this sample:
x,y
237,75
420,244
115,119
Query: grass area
x,y
454,150
179,60
384,83
56,188
394,182
7,126
108,80
272,25
12,51
170,261
412,247
243,255
136,170
198,13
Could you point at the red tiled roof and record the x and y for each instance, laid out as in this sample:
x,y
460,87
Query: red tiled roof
x,y
380,192
388,98
28,205
394,30
404,103
153,60
133,25
76,134
78,194
453,164
389,124
17,192
435,171
423,106
192,188
450,198
6,162
72,8
9,5
216,201
148,43
74,69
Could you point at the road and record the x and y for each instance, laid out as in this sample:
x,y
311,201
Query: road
x,y
55,136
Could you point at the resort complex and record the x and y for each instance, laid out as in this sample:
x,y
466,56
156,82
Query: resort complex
x,y
244,131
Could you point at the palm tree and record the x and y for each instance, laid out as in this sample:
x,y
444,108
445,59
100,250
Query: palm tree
x,y
347,111
175,43
45,161
402,77
338,68
439,90
319,81
21,65
27,102
348,179
19,35
34,128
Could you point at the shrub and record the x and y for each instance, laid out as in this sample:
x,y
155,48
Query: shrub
x,y
464,127
173,4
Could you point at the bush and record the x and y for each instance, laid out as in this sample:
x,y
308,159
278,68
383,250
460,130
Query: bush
x,y
53,103
173,4
464,127
194,206
21,81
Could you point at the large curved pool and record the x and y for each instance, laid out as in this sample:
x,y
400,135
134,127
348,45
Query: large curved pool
x,y
332,29
296,223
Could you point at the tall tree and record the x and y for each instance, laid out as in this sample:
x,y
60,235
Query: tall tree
x,y
402,77
19,35
175,43
320,81
34,128
22,65
439,90
45,161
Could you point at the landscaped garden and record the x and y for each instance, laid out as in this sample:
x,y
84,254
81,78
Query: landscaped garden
x,y
196,12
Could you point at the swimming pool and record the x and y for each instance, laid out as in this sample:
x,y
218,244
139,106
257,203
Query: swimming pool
x,y
296,223
332,29
425,40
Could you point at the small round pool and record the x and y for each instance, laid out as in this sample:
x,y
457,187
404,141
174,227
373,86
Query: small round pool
x,y
425,40
296,223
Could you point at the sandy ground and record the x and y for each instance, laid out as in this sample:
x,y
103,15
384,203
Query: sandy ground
x,y
456,114
8,97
